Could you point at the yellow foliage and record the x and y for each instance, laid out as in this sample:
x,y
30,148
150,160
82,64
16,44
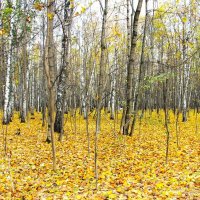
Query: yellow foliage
x,y
50,15
77,14
128,167
38,6
83,9
116,31
2,32
184,19
71,3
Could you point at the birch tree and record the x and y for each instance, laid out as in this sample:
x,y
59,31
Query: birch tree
x,y
61,93
7,112
24,75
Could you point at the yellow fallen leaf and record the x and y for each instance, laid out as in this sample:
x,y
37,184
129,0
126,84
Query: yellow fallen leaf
x,y
159,185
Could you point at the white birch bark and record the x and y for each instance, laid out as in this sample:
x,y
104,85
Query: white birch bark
x,y
25,72
7,91
83,85
8,100
113,87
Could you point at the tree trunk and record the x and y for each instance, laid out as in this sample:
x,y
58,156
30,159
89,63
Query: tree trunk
x,y
7,109
139,89
100,84
24,55
61,93
50,70
130,69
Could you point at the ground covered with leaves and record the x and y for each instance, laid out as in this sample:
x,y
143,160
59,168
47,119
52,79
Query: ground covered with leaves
x,y
128,167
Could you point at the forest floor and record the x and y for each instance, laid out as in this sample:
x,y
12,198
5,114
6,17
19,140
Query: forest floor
x,y
128,167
